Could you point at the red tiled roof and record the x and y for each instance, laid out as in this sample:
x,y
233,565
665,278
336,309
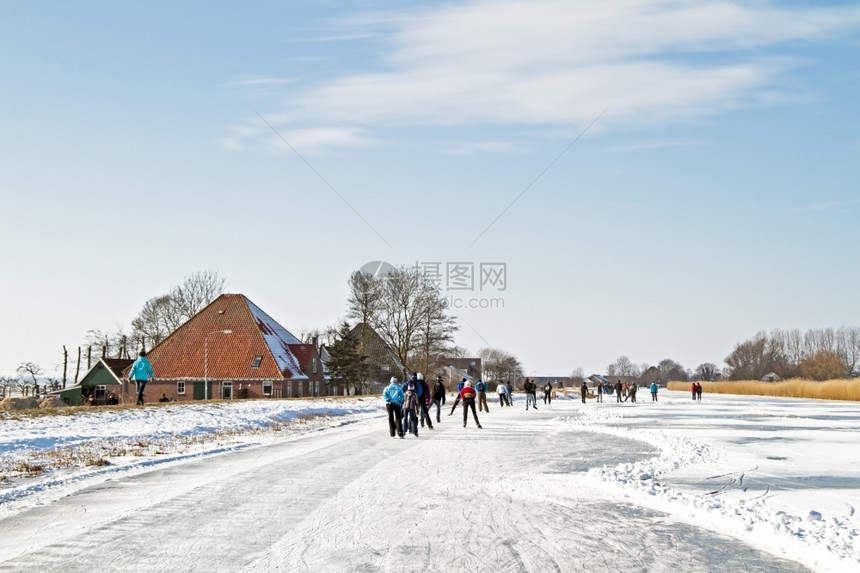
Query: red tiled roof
x,y
230,356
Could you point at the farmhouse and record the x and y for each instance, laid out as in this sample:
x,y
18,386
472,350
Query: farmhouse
x,y
232,349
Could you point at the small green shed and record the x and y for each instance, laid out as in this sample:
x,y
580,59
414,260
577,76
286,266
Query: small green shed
x,y
103,379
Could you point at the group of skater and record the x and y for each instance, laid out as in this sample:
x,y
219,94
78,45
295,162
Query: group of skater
x,y
412,401
622,391
411,404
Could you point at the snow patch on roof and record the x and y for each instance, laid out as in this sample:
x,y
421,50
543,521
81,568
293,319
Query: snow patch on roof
x,y
278,339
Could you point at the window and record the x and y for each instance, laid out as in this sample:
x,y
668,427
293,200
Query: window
x,y
180,387
267,387
257,361
314,365
226,390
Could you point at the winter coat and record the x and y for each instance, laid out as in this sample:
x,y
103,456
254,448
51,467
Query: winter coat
x,y
502,389
480,387
654,388
467,393
584,389
141,369
416,384
410,396
439,391
393,394
424,392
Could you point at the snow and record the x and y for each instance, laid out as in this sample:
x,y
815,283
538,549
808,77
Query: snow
x,y
764,484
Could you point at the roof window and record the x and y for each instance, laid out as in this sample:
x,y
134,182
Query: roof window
x,y
257,361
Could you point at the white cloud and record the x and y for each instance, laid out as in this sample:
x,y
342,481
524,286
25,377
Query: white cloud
x,y
557,63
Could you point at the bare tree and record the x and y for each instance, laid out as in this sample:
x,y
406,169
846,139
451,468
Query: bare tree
x,y
196,291
161,315
670,370
706,371
30,368
622,367
156,321
435,331
365,296
402,309
498,365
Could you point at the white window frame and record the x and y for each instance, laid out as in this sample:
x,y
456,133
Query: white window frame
x,y
268,385
180,388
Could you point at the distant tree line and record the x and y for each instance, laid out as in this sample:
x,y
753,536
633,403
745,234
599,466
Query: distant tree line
x,y
818,354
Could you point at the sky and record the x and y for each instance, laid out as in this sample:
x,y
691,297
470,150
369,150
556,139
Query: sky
x,y
588,180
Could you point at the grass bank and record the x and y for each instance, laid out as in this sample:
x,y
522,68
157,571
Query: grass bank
x,y
794,388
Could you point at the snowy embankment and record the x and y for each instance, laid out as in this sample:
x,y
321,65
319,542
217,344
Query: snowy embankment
x,y
776,473
44,458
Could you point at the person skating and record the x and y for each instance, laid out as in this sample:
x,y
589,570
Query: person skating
x,y
468,395
438,397
599,392
481,388
393,396
584,391
457,398
510,393
424,400
410,408
631,392
618,391
653,391
140,373
547,393
502,390
698,392
529,389
693,390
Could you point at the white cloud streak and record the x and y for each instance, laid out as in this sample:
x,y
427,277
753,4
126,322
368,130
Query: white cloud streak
x,y
560,63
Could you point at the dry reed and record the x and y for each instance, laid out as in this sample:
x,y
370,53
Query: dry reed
x,y
793,388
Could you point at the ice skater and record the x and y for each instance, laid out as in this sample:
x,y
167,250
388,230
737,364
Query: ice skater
x,y
468,395
457,399
393,396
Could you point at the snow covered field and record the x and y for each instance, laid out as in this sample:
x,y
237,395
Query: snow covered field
x,y
730,484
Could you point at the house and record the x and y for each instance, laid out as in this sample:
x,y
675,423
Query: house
x,y
459,368
232,349
104,378
380,356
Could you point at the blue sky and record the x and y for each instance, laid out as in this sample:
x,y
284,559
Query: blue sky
x,y
703,158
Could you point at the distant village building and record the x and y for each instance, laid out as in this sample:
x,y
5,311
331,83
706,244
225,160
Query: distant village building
x,y
232,349
381,358
458,368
